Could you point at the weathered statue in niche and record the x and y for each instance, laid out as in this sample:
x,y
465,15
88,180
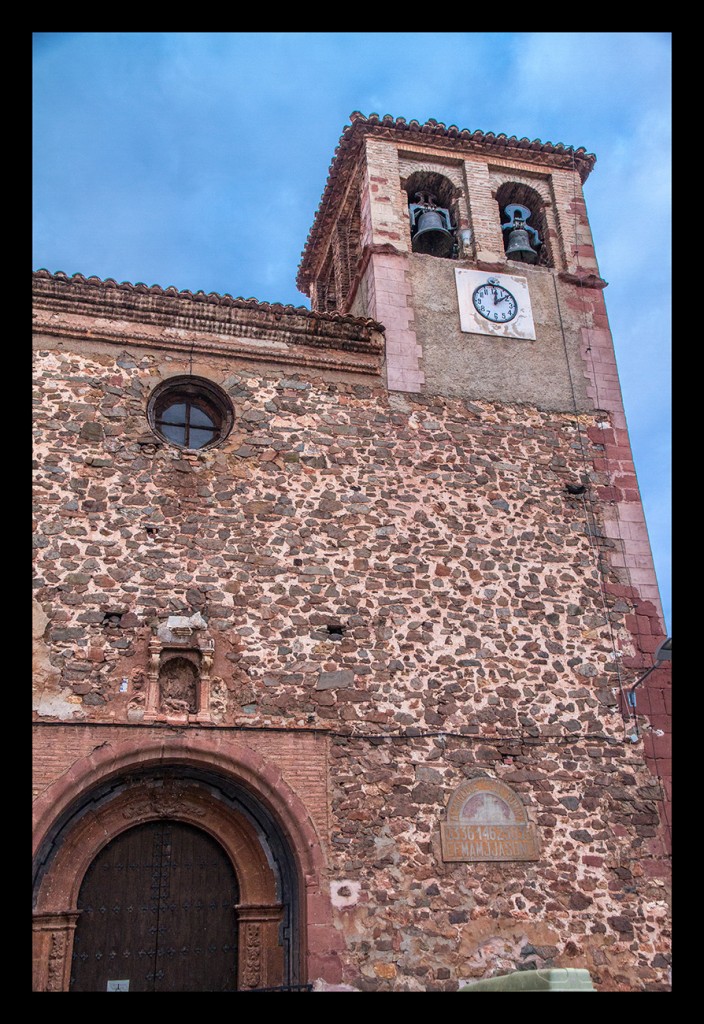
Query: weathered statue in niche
x,y
178,686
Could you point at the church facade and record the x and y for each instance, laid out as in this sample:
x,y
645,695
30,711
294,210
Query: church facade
x,y
349,668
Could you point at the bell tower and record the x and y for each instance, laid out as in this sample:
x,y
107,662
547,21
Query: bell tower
x,y
421,225
474,251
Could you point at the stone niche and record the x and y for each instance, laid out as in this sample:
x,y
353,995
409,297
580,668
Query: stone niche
x,y
178,677
486,820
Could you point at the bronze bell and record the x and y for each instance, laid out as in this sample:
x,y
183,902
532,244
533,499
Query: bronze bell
x,y
431,228
519,246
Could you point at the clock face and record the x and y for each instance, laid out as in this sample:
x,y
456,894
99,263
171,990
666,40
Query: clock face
x,y
494,302
497,305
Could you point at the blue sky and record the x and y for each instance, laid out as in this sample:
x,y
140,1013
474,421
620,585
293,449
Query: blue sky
x,y
198,160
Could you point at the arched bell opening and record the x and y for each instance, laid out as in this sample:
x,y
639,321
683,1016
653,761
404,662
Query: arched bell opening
x,y
432,211
148,821
524,224
328,288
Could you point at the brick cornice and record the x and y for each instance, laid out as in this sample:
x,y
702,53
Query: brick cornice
x,y
431,133
154,317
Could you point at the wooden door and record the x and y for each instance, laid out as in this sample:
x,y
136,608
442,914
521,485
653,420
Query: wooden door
x,y
157,914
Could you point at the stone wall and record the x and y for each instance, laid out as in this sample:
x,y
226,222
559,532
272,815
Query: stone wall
x,y
408,574
430,529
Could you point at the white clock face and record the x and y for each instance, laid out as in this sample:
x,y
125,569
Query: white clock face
x,y
495,303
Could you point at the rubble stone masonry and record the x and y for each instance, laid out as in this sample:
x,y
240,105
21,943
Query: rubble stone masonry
x,y
402,596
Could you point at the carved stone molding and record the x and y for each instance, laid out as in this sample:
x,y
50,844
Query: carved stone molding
x,y
252,948
260,953
188,650
52,949
165,800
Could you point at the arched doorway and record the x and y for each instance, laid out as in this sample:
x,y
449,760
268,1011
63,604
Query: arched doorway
x,y
157,914
130,865
221,786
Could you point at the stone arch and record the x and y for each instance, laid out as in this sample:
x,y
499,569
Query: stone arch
x,y
222,787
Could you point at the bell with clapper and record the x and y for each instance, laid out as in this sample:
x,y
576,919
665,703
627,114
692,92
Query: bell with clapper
x,y
518,245
431,227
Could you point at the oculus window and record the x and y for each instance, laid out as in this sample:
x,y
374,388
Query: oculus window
x,y
190,412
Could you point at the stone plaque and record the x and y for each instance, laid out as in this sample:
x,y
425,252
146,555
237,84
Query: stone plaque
x,y
487,821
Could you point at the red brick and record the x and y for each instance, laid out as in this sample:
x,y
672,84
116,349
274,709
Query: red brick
x,y
657,746
657,868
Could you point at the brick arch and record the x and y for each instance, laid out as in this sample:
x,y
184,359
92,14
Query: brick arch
x,y
536,197
74,826
234,760
533,188
445,190
144,801
448,178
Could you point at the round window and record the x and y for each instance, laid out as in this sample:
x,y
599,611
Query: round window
x,y
190,412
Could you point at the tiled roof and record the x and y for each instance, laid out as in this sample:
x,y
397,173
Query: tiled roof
x,y
458,139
